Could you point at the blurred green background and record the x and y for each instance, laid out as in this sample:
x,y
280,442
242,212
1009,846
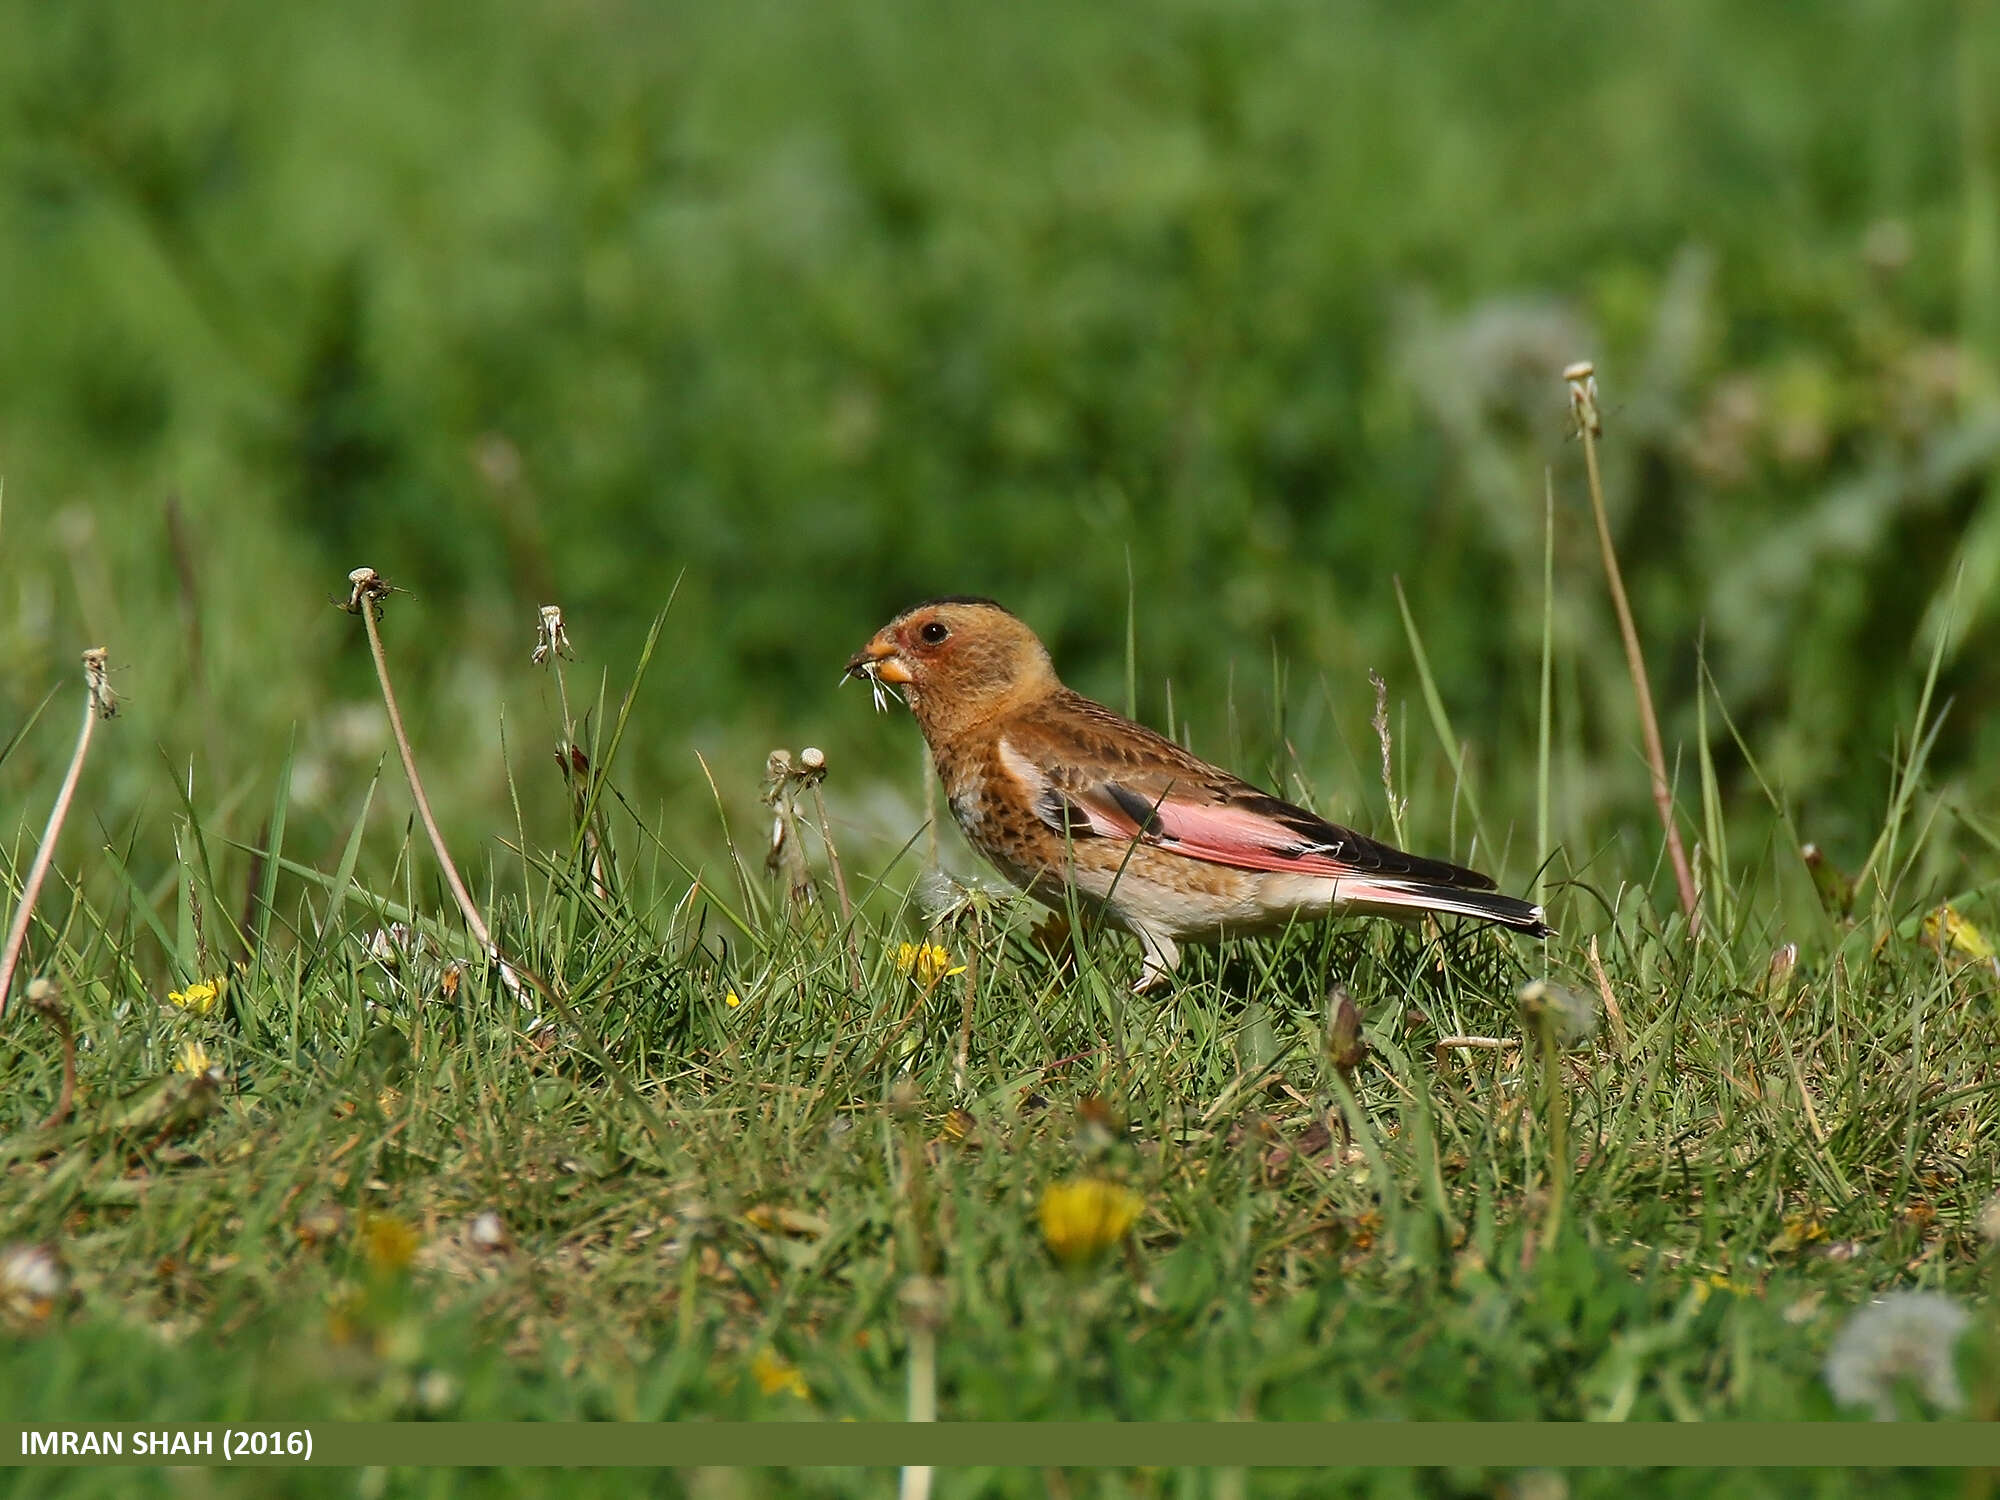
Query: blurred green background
x,y
821,309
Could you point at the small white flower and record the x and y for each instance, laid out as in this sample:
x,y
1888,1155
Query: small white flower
x,y
1900,1336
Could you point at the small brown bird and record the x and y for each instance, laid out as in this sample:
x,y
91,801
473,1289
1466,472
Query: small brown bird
x,y
1060,792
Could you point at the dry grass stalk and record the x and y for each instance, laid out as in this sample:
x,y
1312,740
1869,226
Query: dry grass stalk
x,y
1582,380
811,774
99,703
365,596
552,648
787,854
1613,1016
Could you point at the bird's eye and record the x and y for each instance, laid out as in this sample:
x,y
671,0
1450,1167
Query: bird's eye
x,y
933,634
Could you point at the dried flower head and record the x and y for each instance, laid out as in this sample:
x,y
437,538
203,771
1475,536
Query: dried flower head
x,y
365,590
551,639
1083,1217
97,678
1582,379
193,1058
1899,1337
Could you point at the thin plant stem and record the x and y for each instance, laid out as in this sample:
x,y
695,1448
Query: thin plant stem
x,y
1583,398
98,703
551,646
41,996
1546,705
916,1478
365,601
1557,1109
961,1055
812,764
923,1295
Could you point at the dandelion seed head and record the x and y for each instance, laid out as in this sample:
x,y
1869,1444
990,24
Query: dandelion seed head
x,y
1571,1014
1900,1336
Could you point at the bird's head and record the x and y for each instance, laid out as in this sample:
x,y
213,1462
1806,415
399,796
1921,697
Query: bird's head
x,y
960,661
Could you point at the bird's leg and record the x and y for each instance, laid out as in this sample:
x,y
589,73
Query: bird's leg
x,y
1162,955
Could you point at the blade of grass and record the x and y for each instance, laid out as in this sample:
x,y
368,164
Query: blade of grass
x,y
267,883
1440,720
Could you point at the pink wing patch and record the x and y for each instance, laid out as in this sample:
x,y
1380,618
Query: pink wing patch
x,y
1226,835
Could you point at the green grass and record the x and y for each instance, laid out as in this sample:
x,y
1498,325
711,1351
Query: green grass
x,y
1221,341
702,1197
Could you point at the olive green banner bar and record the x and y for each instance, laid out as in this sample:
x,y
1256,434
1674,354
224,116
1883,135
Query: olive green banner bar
x,y
952,1444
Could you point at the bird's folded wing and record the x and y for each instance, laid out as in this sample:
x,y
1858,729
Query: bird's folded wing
x,y
1175,802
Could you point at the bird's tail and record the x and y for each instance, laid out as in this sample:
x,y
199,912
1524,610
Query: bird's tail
x,y
1407,898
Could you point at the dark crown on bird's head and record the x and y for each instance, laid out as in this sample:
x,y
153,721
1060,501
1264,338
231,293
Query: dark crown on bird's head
x,y
960,599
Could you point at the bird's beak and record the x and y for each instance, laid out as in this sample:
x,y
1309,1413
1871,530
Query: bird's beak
x,y
878,659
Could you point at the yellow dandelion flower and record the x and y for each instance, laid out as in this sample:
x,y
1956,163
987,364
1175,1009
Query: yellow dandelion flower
x,y
199,997
192,1058
773,1375
732,999
1952,935
1084,1216
388,1244
926,964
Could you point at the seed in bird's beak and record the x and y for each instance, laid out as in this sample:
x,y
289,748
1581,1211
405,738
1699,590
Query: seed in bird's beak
x,y
878,659
878,662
